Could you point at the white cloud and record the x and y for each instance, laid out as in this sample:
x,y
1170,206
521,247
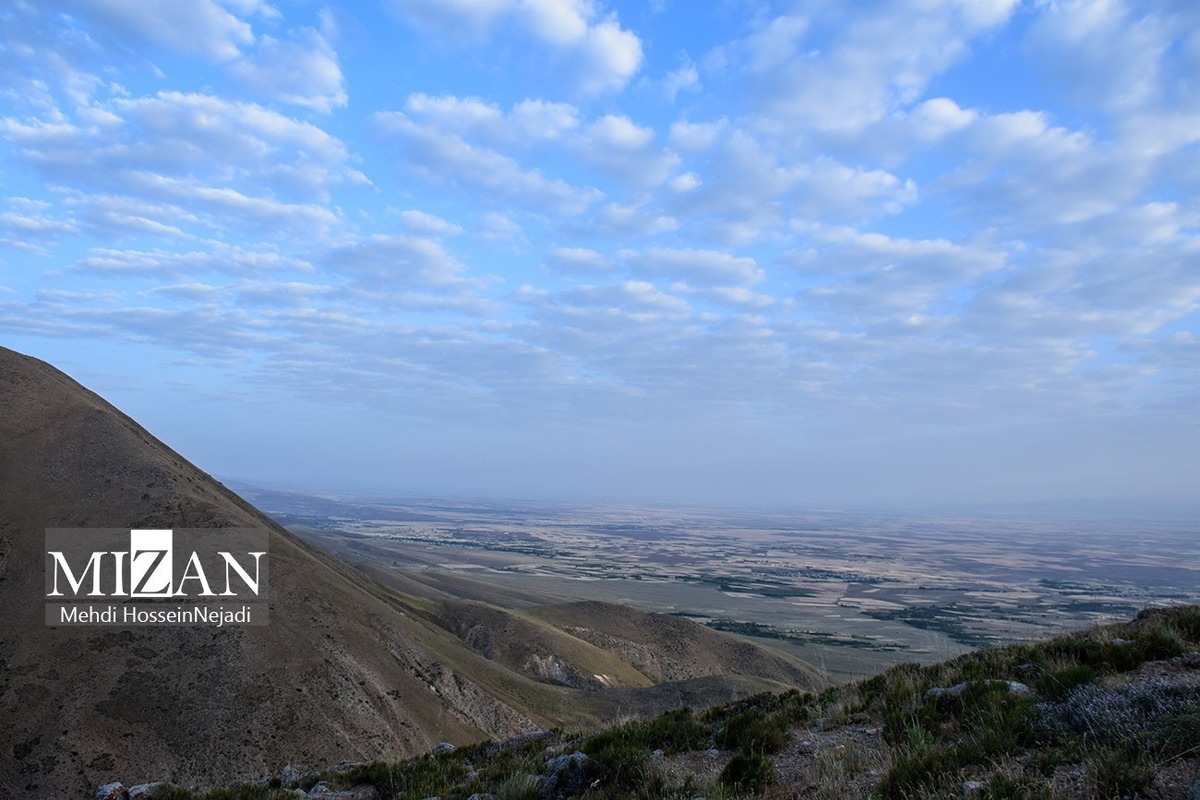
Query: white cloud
x,y
938,117
577,259
464,116
476,17
625,151
393,260
236,160
695,137
736,296
421,223
302,70
685,182
196,27
538,120
216,258
620,220
874,63
698,266
501,229
448,158
611,56
684,79
600,55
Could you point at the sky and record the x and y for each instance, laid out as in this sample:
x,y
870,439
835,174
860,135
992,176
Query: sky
x,y
811,253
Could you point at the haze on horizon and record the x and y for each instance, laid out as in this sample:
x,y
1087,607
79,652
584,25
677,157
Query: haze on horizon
x,y
933,252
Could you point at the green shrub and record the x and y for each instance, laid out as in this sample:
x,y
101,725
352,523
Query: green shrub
x,y
425,776
1186,621
1153,717
1006,787
1056,684
1116,774
748,773
752,732
673,732
917,772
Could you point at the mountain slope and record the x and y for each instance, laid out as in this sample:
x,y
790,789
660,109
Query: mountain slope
x,y
338,670
347,668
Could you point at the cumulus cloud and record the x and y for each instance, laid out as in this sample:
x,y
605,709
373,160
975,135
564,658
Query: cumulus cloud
x,y
624,150
302,70
694,137
875,62
201,27
698,266
421,223
600,55
446,157
216,257
231,163
684,79
383,260
577,259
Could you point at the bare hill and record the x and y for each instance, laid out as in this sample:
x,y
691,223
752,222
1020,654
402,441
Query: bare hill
x,y
666,648
347,668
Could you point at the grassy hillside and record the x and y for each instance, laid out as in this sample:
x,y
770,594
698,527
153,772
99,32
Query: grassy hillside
x,y
1109,712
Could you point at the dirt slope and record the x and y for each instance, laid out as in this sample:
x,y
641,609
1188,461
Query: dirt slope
x,y
339,673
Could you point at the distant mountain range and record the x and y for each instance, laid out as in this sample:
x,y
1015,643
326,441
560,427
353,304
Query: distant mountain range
x,y
346,669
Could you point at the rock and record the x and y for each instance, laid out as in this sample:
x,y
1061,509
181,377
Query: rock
x,y
712,752
343,766
443,747
478,796
290,775
514,742
143,790
1119,641
112,791
1015,688
357,793
972,787
565,760
566,776
657,756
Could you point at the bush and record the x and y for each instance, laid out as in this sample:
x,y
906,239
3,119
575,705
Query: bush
x,y
673,732
1116,774
1056,684
753,732
1152,717
917,771
1005,787
748,773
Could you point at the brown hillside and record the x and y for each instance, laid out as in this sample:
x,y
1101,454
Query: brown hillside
x,y
337,674
667,648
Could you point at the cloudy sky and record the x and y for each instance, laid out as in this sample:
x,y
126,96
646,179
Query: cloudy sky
x,y
767,253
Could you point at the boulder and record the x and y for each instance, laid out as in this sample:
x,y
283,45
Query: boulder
x,y
566,776
936,694
112,791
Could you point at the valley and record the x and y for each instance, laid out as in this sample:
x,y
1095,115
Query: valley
x,y
850,593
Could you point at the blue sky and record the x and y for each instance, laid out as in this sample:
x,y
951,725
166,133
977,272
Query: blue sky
x,y
765,253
